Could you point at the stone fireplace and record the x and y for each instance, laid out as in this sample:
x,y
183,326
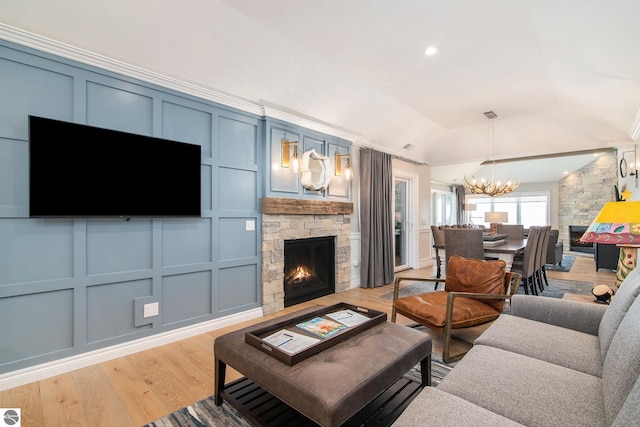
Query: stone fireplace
x,y
293,219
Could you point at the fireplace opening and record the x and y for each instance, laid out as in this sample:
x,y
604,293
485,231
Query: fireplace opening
x,y
575,233
309,269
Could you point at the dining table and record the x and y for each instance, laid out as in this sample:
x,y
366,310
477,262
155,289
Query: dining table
x,y
505,250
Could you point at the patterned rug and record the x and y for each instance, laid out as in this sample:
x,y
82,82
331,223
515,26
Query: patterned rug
x,y
556,289
205,413
565,265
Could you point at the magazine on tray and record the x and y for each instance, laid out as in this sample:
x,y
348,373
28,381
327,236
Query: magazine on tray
x,y
348,317
321,327
290,342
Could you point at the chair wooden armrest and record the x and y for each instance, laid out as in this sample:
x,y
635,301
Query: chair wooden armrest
x,y
396,289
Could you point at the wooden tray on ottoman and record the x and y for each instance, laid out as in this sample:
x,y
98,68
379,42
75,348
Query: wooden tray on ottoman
x,y
256,337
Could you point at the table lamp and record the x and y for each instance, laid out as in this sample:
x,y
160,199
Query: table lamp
x,y
494,218
618,223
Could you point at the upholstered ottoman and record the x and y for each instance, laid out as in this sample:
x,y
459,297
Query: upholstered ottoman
x,y
336,383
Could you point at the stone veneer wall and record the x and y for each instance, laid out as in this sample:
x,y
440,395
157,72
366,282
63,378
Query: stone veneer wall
x,y
583,193
278,228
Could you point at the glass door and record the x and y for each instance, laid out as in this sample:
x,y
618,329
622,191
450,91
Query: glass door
x,y
401,223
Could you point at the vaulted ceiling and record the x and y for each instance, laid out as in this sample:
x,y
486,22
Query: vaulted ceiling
x,y
562,75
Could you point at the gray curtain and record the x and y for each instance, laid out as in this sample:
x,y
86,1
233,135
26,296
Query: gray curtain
x,y
376,219
458,190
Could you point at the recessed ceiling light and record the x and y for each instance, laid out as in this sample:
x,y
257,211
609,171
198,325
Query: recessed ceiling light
x,y
431,50
565,173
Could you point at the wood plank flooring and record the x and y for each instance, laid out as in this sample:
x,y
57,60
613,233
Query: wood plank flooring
x,y
142,387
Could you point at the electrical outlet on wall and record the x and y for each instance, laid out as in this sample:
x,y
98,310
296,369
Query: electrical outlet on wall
x,y
151,309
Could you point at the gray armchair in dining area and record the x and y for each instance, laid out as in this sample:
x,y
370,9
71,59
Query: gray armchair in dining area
x,y
554,248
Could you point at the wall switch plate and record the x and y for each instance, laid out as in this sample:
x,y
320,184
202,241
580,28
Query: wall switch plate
x,y
250,225
151,309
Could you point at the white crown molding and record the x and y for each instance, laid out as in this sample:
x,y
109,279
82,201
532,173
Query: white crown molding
x,y
280,114
64,50
46,370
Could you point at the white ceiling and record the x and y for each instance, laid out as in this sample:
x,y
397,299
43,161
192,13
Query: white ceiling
x,y
562,75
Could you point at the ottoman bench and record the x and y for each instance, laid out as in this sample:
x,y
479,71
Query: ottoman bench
x,y
333,385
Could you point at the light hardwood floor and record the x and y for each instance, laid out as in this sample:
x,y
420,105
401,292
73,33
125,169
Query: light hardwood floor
x,y
142,387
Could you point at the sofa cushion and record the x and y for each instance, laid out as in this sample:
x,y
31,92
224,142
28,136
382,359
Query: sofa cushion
x,y
436,408
476,275
622,366
526,390
622,300
560,346
560,312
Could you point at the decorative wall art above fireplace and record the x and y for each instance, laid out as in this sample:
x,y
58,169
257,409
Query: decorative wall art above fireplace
x,y
316,171
318,180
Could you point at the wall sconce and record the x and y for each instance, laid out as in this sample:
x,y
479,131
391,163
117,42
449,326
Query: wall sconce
x,y
633,165
348,172
289,160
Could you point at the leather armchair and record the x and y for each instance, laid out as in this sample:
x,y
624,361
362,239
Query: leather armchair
x,y
474,294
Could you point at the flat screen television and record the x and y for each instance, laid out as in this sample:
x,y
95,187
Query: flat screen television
x,y
84,171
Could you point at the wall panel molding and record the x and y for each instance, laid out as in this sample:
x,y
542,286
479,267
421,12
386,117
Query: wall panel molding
x,y
50,369
64,50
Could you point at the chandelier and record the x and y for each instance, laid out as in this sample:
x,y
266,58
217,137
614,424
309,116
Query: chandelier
x,y
490,188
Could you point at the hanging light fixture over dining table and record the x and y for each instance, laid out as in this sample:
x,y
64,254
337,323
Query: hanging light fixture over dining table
x,y
491,187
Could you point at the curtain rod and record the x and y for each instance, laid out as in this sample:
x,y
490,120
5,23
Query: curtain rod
x,y
415,162
393,156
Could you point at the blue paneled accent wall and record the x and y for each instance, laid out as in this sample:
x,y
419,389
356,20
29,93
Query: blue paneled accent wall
x,y
72,285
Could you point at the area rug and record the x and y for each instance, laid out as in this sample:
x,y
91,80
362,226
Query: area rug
x,y
565,265
556,289
205,413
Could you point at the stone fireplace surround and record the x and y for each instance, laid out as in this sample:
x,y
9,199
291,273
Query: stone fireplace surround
x,y
289,219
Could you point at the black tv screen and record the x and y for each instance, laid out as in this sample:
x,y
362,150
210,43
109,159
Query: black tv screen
x,y
83,171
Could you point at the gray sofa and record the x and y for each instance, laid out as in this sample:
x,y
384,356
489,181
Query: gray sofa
x,y
551,362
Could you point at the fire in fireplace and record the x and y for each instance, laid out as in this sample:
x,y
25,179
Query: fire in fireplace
x,y
575,233
309,269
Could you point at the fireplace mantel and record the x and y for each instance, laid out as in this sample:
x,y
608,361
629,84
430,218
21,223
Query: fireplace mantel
x,y
272,205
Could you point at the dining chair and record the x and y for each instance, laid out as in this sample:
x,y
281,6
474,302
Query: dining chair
x,y
474,293
541,256
464,242
438,240
526,266
513,231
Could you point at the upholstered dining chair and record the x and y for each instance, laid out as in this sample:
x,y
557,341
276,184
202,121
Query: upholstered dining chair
x,y
513,231
464,242
541,256
438,240
474,293
526,266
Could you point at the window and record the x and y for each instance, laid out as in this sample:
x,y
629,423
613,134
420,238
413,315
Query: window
x,y
527,209
442,206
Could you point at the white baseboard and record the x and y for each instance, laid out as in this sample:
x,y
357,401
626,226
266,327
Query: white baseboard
x,y
61,366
